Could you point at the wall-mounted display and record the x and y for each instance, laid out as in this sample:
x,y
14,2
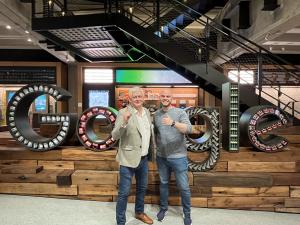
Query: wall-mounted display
x,y
9,95
182,97
98,98
149,76
40,103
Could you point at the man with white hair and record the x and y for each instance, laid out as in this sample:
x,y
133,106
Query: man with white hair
x,y
133,130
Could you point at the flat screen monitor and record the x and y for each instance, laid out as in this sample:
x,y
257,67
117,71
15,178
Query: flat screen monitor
x,y
98,98
41,103
9,95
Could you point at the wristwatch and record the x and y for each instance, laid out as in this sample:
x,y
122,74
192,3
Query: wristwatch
x,y
173,123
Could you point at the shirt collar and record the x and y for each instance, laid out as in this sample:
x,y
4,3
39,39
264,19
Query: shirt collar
x,y
135,111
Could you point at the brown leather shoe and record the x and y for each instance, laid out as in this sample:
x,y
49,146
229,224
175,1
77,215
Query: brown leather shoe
x,y
144,218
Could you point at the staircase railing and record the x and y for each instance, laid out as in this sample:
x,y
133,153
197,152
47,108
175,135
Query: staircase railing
x,y
214,44
260,63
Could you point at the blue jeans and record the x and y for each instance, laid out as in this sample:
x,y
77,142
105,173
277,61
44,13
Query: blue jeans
x,y
180,168
141,177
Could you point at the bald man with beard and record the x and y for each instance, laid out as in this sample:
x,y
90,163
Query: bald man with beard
x,y
171,124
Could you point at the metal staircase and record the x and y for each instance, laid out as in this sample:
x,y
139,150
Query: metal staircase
x,y
203,58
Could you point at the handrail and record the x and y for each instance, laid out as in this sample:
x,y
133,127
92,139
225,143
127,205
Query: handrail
x,y
211,25
234,32
191,38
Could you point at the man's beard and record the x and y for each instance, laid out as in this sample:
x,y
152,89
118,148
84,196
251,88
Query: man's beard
x,y
166,103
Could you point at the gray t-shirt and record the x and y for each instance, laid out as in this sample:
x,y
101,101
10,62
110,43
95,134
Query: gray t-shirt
x,y
170,142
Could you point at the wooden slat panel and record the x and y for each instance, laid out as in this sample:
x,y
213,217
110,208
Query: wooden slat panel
x,y
199,202
81,154
290,154
280,191
287,210
21,169
94,177
74,197
4,163
44,176
294,139
97,165
23,153
297,166
31,188
152,166
292,202
94,189
221,167
244,202
295,191
233,179
286,179
54,165
96,198
262,166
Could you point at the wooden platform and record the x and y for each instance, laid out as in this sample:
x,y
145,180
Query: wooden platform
x,y
247,180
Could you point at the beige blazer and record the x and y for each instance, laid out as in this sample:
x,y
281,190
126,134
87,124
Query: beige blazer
x,y
130,139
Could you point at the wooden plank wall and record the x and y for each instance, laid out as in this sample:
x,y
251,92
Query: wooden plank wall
x,y
247,180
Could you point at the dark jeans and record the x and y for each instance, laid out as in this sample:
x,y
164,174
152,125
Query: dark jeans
x,y
126,174
180,168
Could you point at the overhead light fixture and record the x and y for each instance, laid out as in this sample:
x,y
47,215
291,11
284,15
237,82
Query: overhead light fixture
x,y
283,49
63,13
29,39
50,2
130,9
26,32
8,27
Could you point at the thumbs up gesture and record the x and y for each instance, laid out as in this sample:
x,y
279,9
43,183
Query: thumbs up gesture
x,y
166,120
126,116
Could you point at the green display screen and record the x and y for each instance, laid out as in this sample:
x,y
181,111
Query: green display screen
x,y
138,76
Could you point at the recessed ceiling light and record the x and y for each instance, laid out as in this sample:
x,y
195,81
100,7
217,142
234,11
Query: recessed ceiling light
x,y
8,27
26,31
29,40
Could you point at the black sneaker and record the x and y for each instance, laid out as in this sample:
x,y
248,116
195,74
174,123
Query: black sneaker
x,y
161,214
187,221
